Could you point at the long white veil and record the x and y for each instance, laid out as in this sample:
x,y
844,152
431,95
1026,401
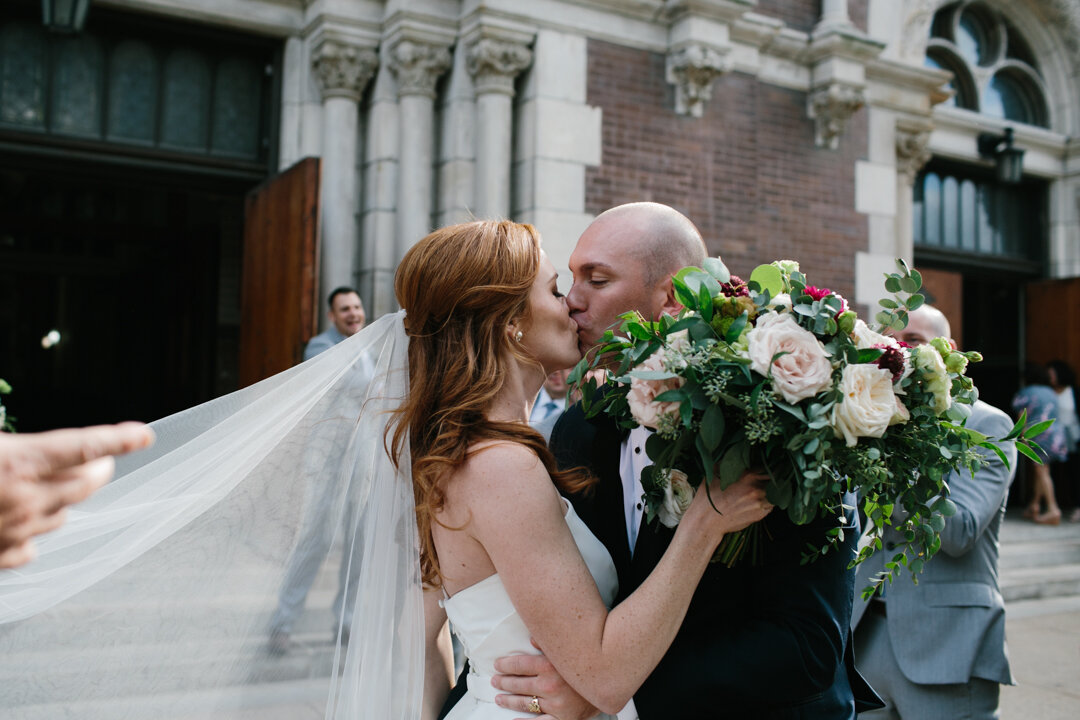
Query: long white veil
x,y
155,600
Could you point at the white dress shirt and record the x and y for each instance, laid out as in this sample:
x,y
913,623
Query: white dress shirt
x,y
632,460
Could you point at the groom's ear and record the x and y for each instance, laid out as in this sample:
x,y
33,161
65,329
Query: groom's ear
x,y
668,303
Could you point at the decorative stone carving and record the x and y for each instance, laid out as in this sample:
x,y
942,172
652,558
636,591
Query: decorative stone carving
x,y
691,70
417,66
916,30
342,69
912,151
493,65
830,107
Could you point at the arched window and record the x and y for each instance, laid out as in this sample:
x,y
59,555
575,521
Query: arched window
x,y
994,70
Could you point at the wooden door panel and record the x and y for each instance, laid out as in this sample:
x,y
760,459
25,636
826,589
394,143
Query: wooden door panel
x,y
1053,321
279,282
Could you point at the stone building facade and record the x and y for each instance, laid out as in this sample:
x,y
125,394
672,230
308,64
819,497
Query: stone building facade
x,y
823,130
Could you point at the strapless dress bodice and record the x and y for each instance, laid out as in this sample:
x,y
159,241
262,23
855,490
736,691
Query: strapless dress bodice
x,y
488,627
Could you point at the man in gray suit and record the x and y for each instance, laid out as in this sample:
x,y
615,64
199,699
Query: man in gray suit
x,y
937,649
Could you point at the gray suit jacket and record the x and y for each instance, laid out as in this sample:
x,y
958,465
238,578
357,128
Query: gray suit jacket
x,y
951,626
322,342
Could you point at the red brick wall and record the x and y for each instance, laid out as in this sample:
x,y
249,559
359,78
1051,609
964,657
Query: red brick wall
x,y
804,14
747,172
797,14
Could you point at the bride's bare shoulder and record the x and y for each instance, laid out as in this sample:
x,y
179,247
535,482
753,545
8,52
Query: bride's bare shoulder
x,y
496,465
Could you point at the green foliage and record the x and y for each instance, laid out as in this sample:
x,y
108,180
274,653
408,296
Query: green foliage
x,y
730,418
7,423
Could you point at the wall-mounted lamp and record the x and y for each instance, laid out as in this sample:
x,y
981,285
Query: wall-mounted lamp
x,y
64,16
1008,160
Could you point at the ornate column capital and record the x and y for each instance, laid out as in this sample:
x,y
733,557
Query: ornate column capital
x,y
691,70
417,66
912,149
830,107
343,69
493,64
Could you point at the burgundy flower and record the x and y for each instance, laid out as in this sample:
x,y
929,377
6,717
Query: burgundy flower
x,y
736,287
892,359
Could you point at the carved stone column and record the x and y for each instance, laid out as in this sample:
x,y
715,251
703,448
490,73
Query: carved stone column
x,y
342,71
692,70
834,13
830,107
912,152
416,67
493,65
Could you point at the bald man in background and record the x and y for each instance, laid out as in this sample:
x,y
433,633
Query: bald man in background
x,y
937,649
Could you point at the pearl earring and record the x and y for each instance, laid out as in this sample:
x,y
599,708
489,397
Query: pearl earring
x,y
518,335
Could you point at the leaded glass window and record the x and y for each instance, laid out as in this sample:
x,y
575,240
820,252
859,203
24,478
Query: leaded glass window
x,y
994,70
22,75
76,87
149,86
959,211
186,98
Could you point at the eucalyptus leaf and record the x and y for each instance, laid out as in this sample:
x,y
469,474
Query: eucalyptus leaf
x,y
712,427
892,284
653,374
717,268
768,278
733,464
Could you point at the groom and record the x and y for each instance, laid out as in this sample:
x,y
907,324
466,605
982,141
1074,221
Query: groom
x,y
768,641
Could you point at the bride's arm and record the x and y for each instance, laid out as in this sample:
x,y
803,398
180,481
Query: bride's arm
x,y
438,655
517,516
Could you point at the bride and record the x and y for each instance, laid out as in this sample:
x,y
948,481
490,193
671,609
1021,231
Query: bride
x,y
153,601
498,543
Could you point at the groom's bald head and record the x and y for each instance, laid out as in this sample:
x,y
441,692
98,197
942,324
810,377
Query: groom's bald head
x,y
659,237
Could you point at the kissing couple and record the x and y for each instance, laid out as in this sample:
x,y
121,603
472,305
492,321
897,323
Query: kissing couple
x,y
567,604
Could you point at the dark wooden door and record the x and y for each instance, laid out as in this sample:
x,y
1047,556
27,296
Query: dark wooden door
x,y
1053,321
279,283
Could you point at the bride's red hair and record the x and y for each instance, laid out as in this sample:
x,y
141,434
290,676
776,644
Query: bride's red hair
x,y
461,286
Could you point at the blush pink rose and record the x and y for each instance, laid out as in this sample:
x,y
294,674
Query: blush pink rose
x,y
803,370
641,397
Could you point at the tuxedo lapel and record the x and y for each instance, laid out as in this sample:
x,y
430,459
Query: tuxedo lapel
x,y
610,515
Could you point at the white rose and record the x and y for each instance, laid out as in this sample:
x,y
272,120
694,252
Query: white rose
x,y
677,497
935,377
867,338
868,403
641,398
900,414
781,302
804,369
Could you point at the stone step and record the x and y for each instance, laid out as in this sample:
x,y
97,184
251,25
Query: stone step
x,y
1039,553
1016,529
31,678
1030,583
296,700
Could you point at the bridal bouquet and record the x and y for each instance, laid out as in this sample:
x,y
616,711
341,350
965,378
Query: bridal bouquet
x,y
780,374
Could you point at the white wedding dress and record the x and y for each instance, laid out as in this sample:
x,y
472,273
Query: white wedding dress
x,y
489,627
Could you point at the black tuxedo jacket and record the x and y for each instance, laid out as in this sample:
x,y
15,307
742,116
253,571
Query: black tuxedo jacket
x,y
769,641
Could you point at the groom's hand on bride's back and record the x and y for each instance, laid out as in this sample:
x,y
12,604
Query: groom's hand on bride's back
x,y
523,677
